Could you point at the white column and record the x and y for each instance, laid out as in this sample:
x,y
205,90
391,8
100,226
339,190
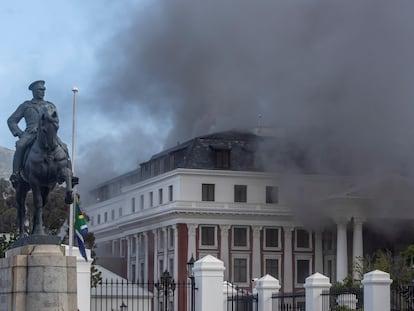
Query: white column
x,y
137,253
209,277
287,282
266,287
314,286
113,248
156,274
128,240
165,250
175,276
175,230
146,254
191,240
256,252
377,291
357,247
341,251
318,252
224,247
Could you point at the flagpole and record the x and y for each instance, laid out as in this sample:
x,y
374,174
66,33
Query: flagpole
x,y
71,216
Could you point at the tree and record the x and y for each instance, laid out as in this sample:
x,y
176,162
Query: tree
x,y
89,239
400,266
6,242
55,213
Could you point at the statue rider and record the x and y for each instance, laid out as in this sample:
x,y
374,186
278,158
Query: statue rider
x,y
30,112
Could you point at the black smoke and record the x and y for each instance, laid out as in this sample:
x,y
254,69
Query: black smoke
x,y
336,76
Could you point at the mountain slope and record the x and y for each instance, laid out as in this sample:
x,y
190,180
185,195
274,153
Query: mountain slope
x,y
6,158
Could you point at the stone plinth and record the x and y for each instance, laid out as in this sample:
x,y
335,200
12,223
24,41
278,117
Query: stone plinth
x,y
38,278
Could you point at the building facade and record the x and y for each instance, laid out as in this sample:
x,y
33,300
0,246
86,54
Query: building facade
x,y
213,195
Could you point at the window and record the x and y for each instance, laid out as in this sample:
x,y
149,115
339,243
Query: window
x,y
160,267
166,164
99,219
151,198
208,235
271,238
240,193
133,205
240,270
171,266
302,239
142,271
133,272
303,268
328,240
160,196
207,192
240,237
272,267
113,214
222,158
141,201
105,217
161,240
171,237
120,212
170,193
272,195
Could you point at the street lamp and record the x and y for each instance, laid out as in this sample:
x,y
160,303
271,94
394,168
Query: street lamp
x,y
190,274
165,285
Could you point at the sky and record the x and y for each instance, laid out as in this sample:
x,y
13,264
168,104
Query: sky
x,y
335,76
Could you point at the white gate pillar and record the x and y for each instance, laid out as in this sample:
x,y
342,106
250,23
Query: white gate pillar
x,y
209,277
266,287
377,291
315,285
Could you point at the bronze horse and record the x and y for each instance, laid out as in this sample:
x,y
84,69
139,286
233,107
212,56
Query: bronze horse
x,y
46,164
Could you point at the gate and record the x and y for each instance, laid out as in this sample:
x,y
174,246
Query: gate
x,y
343,299
402,297
164,295
239,299
289,301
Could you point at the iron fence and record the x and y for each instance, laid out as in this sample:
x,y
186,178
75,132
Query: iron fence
x,y
402,297
289,301
121,295
239,299
338,299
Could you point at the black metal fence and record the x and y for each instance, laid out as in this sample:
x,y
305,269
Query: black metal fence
x,y
239,299
121,295
402,297
289,301
343,299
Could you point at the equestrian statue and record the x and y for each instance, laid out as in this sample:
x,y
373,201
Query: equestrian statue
x,y
41,160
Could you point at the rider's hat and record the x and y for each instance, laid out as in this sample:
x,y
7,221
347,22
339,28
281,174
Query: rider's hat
x,y
38,83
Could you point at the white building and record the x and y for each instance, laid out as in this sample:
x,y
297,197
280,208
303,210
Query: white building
x,y
211,195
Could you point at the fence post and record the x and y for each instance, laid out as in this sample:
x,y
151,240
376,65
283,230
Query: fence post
x,y
266,287
209,277
377,291
314,287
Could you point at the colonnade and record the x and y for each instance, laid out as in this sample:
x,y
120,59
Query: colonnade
x,y
342,247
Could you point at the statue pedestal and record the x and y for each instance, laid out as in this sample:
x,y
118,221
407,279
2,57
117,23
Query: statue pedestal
x,y
38,278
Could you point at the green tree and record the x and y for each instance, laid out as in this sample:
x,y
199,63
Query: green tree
x,y
399,266
89,240
6,242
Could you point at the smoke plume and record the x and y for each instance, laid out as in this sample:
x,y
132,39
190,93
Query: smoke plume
x,y
336,76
